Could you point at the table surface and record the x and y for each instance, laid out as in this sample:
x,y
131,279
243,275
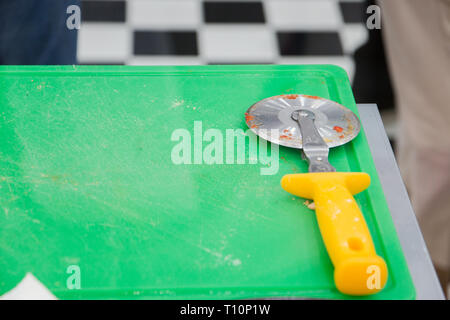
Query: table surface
x,y
414,248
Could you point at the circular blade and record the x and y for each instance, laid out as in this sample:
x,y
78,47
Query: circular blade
x,y
335,123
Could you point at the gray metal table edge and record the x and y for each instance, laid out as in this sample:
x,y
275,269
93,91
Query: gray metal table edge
x,y
416,254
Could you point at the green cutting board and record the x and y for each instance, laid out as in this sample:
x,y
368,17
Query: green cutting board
x,y
88,183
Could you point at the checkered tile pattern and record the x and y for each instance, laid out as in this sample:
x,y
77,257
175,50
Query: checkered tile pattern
x,y
185,32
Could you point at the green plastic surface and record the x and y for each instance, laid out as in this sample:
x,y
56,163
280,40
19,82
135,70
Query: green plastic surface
x,y
86,179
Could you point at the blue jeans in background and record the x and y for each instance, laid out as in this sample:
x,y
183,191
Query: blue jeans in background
x,y
34,32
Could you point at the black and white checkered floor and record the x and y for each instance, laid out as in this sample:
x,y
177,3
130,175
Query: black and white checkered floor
x,y
183,32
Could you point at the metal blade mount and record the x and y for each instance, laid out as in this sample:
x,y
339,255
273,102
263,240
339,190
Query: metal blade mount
x,y
335,123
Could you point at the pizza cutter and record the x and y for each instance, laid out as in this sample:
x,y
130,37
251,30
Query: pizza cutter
x,y
315,124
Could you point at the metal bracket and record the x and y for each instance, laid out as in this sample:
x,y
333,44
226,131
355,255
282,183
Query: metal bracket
x,y
315,150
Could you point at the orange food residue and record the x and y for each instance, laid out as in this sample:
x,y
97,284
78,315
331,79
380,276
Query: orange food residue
x,y
337,129
290,96
248,117
311,97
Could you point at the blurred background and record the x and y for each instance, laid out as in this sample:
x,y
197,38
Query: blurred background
x,y
193,32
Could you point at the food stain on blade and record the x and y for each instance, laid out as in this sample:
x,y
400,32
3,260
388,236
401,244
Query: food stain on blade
x,y
338,129
249,117
250,120
286,135
290,96
311,97
350,127
335,123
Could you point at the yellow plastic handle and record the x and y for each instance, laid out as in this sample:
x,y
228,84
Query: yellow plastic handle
x,y
358,269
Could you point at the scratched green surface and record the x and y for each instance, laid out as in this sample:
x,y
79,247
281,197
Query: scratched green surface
x,y
86,179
